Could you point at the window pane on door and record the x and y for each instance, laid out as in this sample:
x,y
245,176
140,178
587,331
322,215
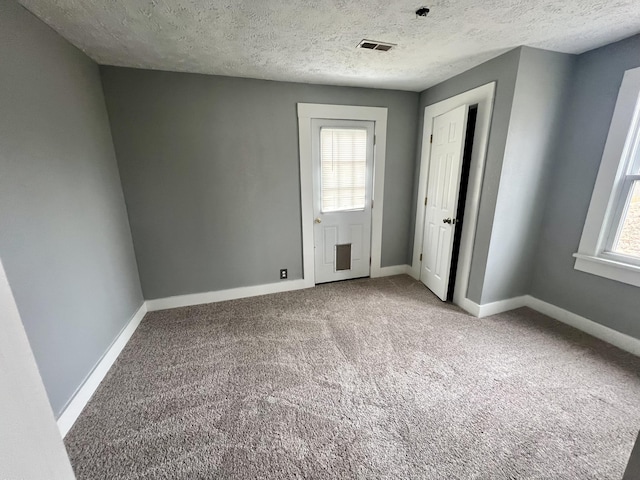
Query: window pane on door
x,y
343,165
629,239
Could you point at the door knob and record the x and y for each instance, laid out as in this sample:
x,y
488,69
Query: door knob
x,y
450,221
317,220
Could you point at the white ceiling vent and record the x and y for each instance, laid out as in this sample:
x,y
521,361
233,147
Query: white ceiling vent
x,y
373,45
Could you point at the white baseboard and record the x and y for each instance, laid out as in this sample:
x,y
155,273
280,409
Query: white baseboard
x,y
394,270
222,295
501,306
253,291
470,307
84,393
493,308
620,340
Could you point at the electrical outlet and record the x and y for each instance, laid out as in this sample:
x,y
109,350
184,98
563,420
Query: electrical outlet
x,y
283,274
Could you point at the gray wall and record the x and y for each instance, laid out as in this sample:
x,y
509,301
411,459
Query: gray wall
x,y
64,237
542,87
503,70
595,85
531,90
209,167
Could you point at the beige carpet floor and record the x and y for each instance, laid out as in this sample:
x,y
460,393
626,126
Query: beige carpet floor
x,y
365,379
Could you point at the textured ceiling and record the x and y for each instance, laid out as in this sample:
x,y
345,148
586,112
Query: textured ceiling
x,y
314,41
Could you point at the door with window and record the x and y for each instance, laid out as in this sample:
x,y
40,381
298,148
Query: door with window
x,y
342,198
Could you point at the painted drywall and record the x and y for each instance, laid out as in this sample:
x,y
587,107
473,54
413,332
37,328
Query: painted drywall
x,y
503,70
540,96
64,236
210,172
31,443
585,125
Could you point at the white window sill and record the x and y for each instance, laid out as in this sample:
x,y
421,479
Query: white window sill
x,y
611,269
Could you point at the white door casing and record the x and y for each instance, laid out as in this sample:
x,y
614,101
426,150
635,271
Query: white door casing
x,y
483,97
342,215
306,113
443,187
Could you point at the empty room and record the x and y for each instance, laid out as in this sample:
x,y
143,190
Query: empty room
x,y
323,240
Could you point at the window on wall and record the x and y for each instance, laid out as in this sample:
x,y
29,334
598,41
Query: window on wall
x,y
343,162
624,238
610,243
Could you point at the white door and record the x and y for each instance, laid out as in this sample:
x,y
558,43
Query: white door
x,y
342,194
442,199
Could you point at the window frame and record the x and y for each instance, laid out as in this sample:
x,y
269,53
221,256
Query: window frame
x,y
611,191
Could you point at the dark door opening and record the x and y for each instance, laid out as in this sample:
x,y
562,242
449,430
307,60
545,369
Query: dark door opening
x,y
462,196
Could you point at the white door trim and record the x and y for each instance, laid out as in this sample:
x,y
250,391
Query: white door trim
x,y
307,111
482,96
